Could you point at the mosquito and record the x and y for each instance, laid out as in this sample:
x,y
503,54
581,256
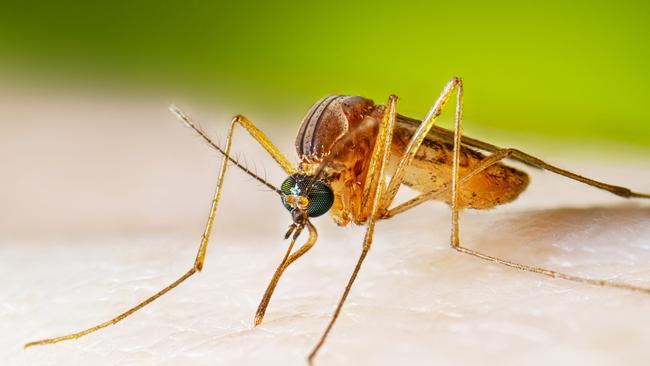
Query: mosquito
x,y
354,156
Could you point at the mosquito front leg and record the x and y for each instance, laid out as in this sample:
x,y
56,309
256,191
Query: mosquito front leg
x,y
286,261
379,160
200,256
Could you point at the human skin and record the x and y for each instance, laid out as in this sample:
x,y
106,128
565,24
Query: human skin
x,y
106,208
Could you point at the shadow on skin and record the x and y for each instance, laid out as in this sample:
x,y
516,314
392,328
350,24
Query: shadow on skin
x,y
568,223
564,239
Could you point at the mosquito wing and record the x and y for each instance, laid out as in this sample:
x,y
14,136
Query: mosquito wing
x,y
442,134
431,169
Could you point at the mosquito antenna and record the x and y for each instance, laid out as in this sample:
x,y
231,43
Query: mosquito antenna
x,y
189,123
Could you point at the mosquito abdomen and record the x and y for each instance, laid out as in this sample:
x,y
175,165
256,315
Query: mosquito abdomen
x,y
431,170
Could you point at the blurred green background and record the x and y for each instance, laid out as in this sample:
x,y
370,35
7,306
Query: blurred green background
x,y
571,70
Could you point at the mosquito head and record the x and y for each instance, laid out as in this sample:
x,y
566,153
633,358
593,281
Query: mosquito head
x,y
306,197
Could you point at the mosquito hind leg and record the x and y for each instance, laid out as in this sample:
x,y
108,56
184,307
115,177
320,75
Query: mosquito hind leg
x,y
456,244
617,190
486,163
498,155
536,162
455,237
200,256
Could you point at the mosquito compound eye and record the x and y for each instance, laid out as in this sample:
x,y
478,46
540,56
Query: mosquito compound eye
x,y
288,188
289,185
319,196
321,199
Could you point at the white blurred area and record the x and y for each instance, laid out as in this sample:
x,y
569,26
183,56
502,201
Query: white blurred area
x,y
80,163
104,199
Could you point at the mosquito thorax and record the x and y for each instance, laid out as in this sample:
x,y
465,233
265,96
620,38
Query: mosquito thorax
x,y
304,193
329,119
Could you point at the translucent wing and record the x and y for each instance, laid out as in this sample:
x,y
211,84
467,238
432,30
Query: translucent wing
x,y
447,136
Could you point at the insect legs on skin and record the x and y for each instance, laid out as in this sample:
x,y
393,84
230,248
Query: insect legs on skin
x,y
354,156
408,153
200,257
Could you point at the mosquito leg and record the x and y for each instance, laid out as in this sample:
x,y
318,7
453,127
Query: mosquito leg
x,y
539,163
550,273
418,138
486,163
367,242
416,141
200,257
617,190
533,161
380,158
384,140
498,155
455,238
286,261
255,132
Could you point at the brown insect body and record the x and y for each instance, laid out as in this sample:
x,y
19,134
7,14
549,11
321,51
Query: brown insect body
x,y
343,129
